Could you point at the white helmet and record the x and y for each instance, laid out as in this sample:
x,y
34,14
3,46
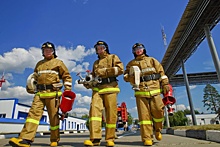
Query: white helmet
x,y
31,83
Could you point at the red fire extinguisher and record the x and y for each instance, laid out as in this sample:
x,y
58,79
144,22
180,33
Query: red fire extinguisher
x,y
66,104
169,100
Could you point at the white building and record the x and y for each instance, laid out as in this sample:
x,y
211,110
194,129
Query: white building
x,y
13,115
203,119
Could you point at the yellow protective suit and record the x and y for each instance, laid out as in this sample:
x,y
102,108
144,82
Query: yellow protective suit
x,y
149,102
47,72
104,96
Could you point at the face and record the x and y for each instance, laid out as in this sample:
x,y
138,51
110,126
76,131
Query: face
x,y
100,49
139,51
48,52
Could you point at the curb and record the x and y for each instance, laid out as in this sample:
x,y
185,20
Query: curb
x,y
209,135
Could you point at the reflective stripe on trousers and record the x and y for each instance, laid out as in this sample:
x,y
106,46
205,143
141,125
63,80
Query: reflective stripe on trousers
x,y
54,128
30,120
146,122
111,126
158,119
147,93
95,118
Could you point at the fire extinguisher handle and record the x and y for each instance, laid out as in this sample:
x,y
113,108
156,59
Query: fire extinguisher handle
x,y
63,115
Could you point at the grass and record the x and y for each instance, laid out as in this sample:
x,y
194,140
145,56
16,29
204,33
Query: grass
x,y
199,127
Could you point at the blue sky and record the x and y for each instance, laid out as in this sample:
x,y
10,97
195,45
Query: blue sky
x,y
74,26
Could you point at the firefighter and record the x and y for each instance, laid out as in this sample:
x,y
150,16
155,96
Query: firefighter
x,y
107,67
149,102
47,75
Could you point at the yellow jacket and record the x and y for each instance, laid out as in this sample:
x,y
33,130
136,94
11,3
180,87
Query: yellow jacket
x,y
51,71
108,65
147,66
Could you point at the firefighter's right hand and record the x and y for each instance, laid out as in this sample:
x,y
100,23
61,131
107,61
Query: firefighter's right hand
x,y
31,91
166,89
128,77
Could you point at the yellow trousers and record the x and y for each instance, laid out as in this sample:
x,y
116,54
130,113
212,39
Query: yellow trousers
x,y
150,112
99,102
35,113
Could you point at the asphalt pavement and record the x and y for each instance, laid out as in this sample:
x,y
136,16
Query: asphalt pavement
x,y
125,139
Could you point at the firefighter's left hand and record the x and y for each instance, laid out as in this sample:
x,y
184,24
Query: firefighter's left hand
x,y
112,71
166,89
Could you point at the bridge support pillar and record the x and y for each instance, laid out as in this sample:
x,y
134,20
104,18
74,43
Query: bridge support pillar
x,y
189,94
213,51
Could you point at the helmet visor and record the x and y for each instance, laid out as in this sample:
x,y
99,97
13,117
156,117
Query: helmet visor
x,y
100,46
138,48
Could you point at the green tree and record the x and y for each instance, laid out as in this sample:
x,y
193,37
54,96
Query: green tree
x,y
211,98
136,121
178,119
86,117
73,114
130,119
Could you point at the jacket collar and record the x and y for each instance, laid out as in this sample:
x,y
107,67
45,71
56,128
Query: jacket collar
x,y
101,56
47,59
140,57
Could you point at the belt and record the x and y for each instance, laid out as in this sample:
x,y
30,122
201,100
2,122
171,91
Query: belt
x,y
150,77
108,80
44,87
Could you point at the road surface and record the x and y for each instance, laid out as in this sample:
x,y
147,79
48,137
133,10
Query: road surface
x,y
126,139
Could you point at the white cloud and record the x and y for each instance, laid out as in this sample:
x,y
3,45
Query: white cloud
x,y
6,84
133,112
82,100
192,86
16,92
80,111
80,87
208,65
188,107
71,56
18,59
80,68
180,107
77,54
85,2
132,98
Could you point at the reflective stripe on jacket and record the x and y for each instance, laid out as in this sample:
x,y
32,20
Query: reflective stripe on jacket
x,y
106,90
49,94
